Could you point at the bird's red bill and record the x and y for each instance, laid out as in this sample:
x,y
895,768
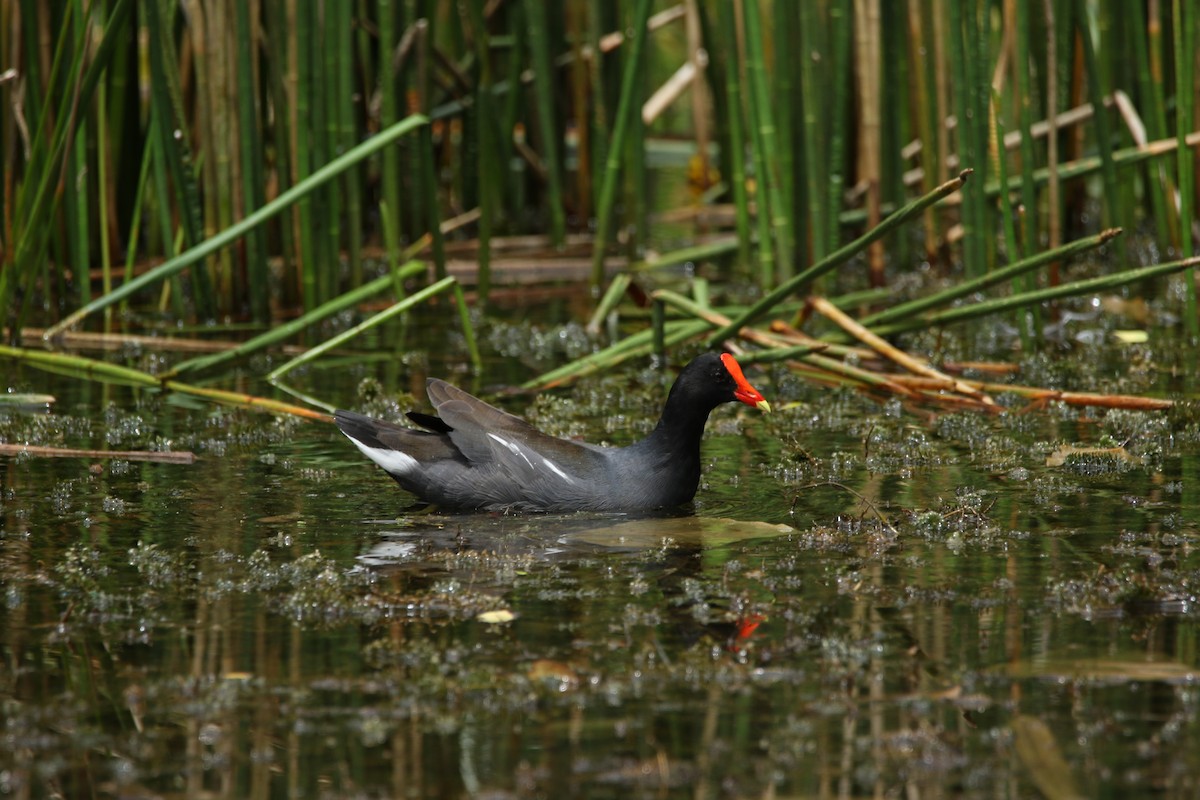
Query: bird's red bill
x,y
744,391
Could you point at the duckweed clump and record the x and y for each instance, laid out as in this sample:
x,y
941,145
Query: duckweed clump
x,y
1098,462
900,449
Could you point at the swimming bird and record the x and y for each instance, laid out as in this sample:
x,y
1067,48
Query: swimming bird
x,y
471,456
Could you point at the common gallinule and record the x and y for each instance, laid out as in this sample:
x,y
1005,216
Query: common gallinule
x,y
475,457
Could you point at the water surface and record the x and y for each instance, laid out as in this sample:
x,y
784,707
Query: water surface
x,y
863,602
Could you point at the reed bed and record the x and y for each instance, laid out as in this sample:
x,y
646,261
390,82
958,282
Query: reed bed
x,y
239,161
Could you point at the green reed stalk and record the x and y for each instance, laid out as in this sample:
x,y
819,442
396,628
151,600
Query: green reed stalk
x,y
37,198
237,230
278,76
539,55
346,134
715,74
96,370
214,80
924,80
375,320
818,163
841,66
30,39
323,311
1157,69
1158,184
576,34
634,186
963,90
772,204
391,208
637,212
391,240
81,366
1000,162
787,105
1023,88
120,124
510,118
464,319
1112,210
76,181
608,303
1185,22
658,329
762,200
426,155
898,128
702,252
163,207
687,305
639,344
911,308
102,207
1003,304
78,243
600,116
1125,157
1056,66
1024,319
487,170
167,97
305,126
839,256
979,65
396,258
253,179
324,22
133,235
736,121
775,354
626,108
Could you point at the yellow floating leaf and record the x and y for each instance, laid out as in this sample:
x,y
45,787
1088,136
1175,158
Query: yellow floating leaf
x,y
1132,336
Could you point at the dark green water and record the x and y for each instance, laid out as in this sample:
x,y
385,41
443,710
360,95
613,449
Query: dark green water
x,y
269,622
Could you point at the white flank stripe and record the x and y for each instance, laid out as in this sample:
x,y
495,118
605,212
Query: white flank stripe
x,y
513,447
554,468
393,461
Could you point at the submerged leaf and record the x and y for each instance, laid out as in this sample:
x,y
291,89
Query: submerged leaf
x,y
1041,755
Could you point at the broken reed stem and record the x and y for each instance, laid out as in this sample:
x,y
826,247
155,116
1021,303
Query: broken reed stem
x,y
1042,395
250,401
378,319
90,369
855,374
913,365
612,297
176,457
327,309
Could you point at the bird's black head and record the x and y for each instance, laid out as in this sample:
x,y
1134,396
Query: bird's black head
x,y
712,379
